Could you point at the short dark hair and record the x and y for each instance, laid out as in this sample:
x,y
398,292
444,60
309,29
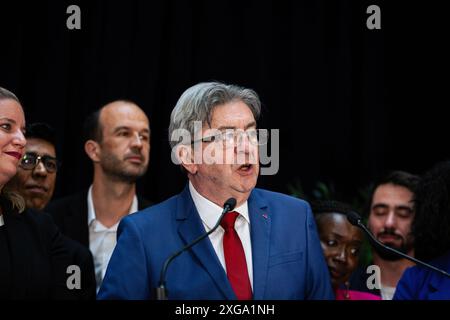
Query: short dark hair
x,y
431,224
400,178
329,206
92,128
397,178
323,208
41,130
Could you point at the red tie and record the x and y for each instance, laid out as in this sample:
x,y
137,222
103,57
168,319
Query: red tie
x,y
237,272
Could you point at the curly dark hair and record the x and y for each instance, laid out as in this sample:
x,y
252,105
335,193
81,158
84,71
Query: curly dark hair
x,y
431,225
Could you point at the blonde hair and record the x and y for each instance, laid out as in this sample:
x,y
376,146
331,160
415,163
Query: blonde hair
x,y
16,200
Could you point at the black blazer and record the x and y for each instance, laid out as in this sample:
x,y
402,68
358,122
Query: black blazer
x,y
37,254
71,215
358,281
81,257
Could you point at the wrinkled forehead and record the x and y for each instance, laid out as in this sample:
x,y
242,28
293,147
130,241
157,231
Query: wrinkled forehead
x,y
232,115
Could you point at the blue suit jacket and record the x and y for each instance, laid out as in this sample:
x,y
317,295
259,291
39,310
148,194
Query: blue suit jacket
x,y
420,283
287,257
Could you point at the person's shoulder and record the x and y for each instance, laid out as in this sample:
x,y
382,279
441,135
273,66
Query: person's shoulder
x,y
421,272
443,261
68,200
39,223
154,212
38,217
58,208
278,198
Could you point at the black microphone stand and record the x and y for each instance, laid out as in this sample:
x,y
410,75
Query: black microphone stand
x,y
161,291
355,220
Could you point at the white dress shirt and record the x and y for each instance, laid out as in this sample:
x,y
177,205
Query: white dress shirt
x,y
2,222
102,240
387,293
209,213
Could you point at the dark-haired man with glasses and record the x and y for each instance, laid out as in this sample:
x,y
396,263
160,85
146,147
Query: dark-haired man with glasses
x,y
36,176
35,182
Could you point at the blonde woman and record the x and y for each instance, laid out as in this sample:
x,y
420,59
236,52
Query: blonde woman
x,y
33,258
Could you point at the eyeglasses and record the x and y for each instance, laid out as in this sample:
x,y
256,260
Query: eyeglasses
x,y
233,137
30,160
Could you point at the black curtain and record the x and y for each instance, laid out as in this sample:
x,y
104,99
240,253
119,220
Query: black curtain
x,y
351,103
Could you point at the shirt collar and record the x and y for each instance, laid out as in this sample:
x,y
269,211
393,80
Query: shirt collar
x,y
2,222
209,211
91,210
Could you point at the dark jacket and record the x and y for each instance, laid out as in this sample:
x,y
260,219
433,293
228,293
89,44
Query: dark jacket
x,y
37,256
420,283
358,281
71,215
81,256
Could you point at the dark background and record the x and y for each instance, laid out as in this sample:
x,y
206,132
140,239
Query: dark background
x,y
350,103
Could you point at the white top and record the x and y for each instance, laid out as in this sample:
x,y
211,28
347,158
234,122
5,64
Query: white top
x,y
209,214
387,293
2,222
102,240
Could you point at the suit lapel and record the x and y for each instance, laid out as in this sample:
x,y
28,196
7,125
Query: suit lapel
x,y
19,243
260,225
439,284
190,227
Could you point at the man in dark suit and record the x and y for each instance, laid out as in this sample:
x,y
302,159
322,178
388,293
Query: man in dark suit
x,y
266,248
118,143
35,182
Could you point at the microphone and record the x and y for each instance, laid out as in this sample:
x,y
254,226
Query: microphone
x,y
355,219
161,291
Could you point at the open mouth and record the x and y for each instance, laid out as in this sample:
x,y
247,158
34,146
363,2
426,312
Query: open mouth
x,y
245,168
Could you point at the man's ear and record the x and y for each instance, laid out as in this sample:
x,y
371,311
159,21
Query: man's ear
x,y
186,158
92,149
